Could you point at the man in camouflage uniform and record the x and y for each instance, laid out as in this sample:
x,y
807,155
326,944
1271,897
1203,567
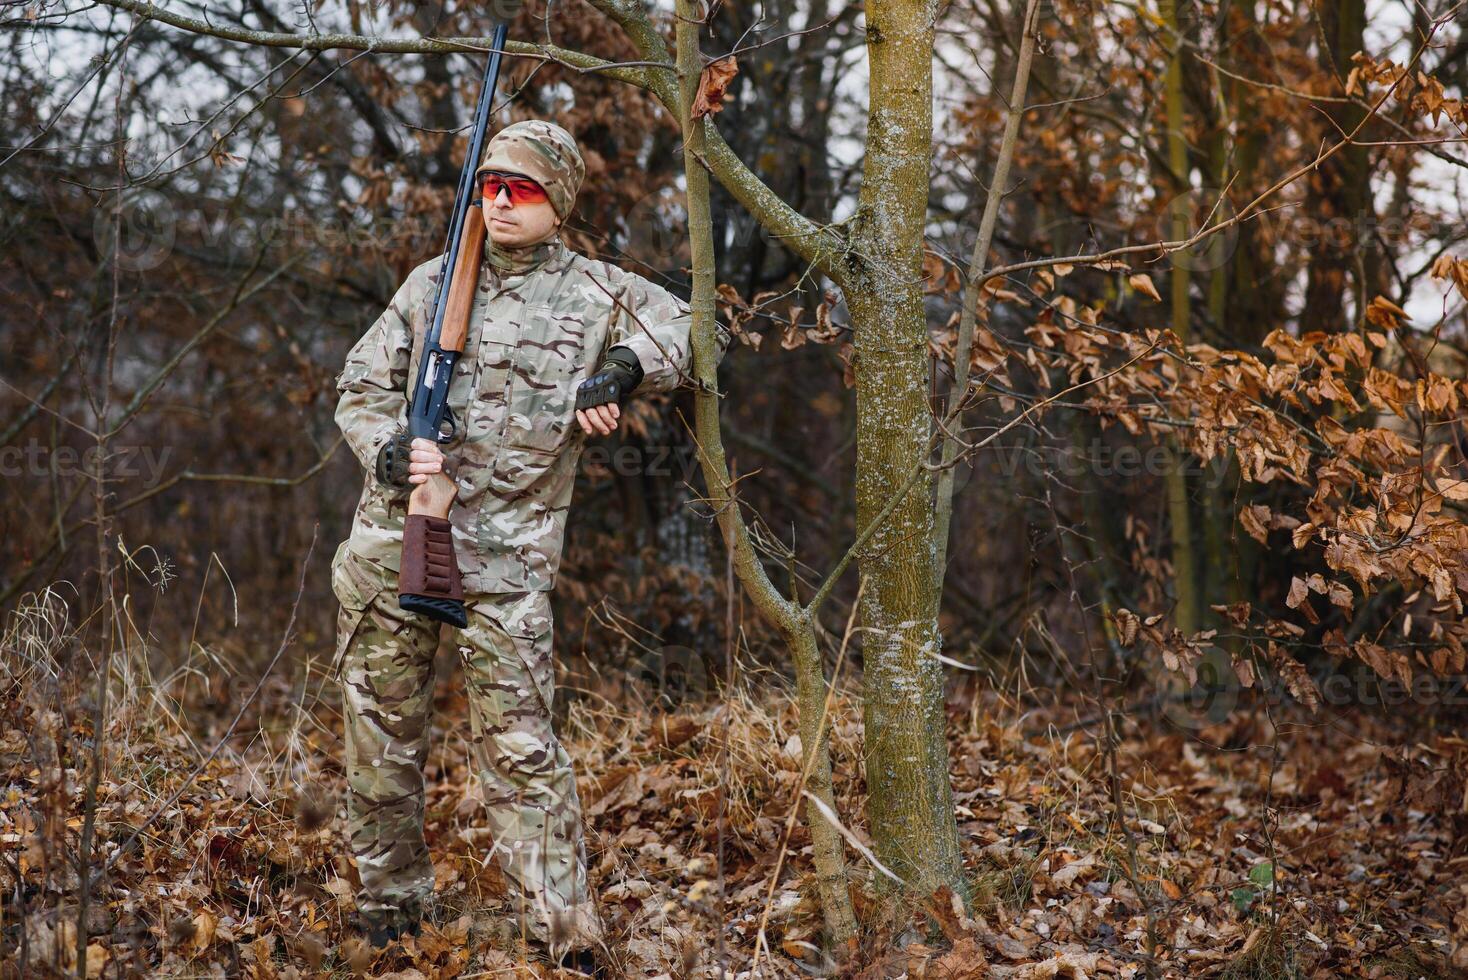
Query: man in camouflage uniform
x,y
548,328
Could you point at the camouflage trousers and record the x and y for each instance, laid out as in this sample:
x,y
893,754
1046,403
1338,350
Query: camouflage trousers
x,y
385,664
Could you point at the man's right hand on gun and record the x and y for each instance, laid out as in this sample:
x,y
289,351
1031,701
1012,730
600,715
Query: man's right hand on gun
x,y
405,462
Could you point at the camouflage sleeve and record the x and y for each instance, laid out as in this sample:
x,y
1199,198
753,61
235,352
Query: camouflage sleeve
x,y
656,326
373,405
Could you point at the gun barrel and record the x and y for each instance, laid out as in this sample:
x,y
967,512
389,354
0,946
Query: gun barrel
x,y
463,247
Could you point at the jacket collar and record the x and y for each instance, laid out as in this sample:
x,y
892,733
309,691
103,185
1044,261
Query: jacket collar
x,y
522,261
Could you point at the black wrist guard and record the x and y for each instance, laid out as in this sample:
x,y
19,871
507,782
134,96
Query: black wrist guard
x,y
618,376
392,461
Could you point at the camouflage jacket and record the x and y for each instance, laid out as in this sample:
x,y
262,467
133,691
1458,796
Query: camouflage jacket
x,y
542,321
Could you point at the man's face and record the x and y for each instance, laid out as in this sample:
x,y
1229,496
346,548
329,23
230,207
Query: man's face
x,y
516,210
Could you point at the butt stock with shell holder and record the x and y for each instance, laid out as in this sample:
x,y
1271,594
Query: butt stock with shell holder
x,y
428,577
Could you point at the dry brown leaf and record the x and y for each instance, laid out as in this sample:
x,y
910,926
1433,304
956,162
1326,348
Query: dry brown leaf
x,y
1142,283
1299,593
205,927
965,961
1255,519
97,957
713,85
671,731
1127,624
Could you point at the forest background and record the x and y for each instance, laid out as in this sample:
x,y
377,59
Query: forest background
x,y
1065,580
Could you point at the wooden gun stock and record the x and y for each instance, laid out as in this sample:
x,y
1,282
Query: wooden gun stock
x,y
435,497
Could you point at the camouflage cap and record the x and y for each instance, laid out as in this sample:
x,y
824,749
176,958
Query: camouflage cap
x,y
542,151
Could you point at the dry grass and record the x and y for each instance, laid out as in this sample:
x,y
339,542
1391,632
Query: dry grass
x,y
1268,954
246,870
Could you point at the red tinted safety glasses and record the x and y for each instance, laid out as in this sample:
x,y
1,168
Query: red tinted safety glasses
x,y
522,190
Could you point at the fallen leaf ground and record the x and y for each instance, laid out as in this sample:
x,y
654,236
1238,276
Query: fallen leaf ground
x,y
1273,842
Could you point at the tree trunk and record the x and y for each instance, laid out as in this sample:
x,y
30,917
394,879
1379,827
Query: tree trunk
x,y
1188,614
910,801
795,625
1340,193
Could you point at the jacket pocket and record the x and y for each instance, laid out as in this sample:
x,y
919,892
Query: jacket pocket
x,y
377,527
526,615
525,618
356,587
548,364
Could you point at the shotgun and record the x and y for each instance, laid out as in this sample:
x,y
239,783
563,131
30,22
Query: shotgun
x,y
428,576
